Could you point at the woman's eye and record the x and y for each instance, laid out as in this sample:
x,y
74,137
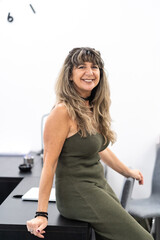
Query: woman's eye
x,y
80,67
83,67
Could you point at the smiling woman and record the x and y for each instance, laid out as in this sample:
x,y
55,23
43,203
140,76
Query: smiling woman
x,y
76,136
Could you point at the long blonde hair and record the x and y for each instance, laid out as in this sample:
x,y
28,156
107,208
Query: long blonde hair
x,y
100,103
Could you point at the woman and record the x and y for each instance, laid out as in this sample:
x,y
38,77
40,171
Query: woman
x,y
76,136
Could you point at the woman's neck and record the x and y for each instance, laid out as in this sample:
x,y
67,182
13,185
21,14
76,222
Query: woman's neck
x,y
86,98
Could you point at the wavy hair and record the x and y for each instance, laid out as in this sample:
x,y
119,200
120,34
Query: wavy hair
x,y
100,119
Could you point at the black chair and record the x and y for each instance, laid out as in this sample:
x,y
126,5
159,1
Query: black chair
x,y
149,208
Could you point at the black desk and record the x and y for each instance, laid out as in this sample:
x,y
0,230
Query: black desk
x,y
14,212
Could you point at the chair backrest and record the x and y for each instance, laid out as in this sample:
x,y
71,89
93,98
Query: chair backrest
x,y
127,191
43,120
156,174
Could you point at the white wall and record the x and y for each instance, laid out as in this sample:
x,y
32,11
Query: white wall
x,y
33,48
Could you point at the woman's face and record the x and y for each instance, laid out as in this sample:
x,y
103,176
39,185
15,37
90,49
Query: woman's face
x,y
85,77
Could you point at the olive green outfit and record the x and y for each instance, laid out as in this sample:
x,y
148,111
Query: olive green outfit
x,y
82,192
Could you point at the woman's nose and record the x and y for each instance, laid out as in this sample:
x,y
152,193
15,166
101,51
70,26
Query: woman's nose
x,y
89,71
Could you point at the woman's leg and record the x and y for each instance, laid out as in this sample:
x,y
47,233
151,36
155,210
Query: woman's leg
x,y
99,206
115,220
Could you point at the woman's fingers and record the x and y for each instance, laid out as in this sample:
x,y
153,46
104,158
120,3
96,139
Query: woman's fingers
x,y
135,173
39,233
36,226
141,181
40,230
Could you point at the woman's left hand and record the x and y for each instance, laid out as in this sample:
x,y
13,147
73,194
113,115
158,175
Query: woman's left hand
x,y
135,173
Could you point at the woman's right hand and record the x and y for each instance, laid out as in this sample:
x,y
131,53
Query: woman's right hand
x,y
135,173
37,225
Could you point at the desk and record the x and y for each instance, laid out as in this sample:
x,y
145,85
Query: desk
x,y
14,212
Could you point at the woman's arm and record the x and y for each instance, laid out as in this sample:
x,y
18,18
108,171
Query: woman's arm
x,y
55,132
108,157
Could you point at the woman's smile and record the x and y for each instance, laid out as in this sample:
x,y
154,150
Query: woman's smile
x,y
88,80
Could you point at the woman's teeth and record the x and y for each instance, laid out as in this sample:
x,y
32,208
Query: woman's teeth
x,y
87,80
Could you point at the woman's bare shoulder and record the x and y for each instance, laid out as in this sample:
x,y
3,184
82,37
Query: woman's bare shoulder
x,y
58,117
59,111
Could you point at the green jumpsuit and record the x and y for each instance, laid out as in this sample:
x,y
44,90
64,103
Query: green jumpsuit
x,y
82,192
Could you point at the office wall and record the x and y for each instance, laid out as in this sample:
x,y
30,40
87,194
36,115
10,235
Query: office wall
x,y
32,50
